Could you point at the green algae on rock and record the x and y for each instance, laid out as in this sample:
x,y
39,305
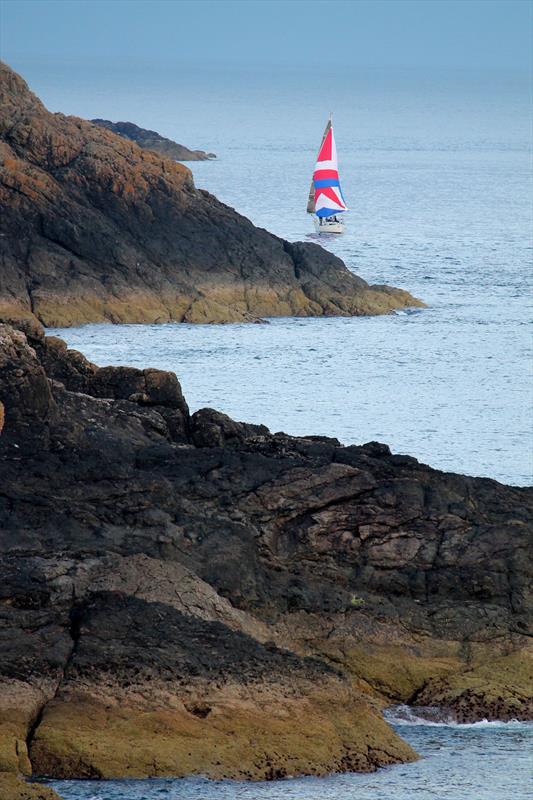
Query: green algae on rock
x,y
495,689
14,788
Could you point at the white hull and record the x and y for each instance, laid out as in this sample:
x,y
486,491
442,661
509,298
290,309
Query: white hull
x,y
326,225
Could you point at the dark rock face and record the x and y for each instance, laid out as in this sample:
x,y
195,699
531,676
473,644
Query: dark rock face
x,y
151,140
198,568
94,228
162,640
327,518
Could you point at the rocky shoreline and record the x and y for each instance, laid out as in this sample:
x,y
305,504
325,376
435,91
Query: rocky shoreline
x,y
96,229
189,594
151,140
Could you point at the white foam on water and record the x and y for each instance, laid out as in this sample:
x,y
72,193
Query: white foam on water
x,y
438,717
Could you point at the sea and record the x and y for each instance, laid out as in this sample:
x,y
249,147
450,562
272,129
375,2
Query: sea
x,y
436,170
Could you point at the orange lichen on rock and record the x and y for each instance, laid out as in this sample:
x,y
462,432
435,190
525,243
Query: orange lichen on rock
x,y
88,213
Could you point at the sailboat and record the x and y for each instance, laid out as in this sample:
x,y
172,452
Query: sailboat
x,y
326,201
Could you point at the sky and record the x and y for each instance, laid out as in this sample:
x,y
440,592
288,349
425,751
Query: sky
x,y
420,34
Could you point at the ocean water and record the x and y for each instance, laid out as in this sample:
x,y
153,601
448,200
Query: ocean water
x,y
483,761
436,170
437,175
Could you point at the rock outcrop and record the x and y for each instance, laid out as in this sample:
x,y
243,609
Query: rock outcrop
x,y
94,228
14,788
186,593
151,140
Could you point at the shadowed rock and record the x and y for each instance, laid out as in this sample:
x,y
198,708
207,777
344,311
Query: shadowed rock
x,y
150,140
167,579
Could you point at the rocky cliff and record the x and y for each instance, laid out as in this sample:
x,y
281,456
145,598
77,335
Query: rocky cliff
x,y
185,593
94,228
151,140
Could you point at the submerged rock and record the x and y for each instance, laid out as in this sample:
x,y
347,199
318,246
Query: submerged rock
x,y
150,140
185,593
94,228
